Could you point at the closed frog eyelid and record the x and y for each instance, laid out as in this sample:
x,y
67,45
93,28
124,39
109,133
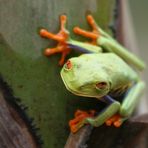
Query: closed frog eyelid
x,y
101,85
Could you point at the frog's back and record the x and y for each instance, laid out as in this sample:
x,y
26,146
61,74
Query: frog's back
x,y
119,72
121,75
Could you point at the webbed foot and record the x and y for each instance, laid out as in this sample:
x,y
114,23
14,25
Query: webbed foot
x,y
62,36
79,120
115,120
94,34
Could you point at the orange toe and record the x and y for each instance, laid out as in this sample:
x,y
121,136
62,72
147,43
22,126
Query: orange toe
x,y
116,120
76,127
42,32
93,35
88,34
76,123
78,112
61,37
117,123
48,51
108,122
73,129
92,23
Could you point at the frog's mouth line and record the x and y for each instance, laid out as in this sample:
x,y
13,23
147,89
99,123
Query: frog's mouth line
x,y
71,90
76,92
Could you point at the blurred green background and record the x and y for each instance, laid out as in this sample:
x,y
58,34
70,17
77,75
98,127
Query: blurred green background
x,y
139,13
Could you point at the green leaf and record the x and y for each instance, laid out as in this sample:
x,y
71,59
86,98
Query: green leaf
x,y
34,78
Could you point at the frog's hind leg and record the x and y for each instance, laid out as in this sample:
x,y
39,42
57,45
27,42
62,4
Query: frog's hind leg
x,y
128,105
131,99
62,36
107,113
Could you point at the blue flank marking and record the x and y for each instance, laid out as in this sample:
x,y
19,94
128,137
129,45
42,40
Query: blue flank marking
x,y
109,99
78,48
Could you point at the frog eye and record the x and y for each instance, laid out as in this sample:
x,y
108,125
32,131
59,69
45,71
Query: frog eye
x,y
68,65
101,85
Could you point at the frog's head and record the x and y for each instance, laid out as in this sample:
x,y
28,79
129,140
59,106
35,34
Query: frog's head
x,y
84,76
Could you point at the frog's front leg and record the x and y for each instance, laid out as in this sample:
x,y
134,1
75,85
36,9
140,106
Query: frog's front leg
x,y
79,119
107,113
62,37
93,35
104,40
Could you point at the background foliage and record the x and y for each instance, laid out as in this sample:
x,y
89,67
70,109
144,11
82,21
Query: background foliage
x,y
34,78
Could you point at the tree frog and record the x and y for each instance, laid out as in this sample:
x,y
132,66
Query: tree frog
x,y
104,72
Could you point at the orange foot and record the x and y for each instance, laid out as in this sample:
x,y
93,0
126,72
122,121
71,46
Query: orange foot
x,y
116,120
76,123
61,37
95,32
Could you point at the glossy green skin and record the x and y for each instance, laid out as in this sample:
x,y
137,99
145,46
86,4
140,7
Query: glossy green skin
x,y
112,69
89,69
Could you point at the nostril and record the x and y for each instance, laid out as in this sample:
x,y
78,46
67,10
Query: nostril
x,y
68,65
